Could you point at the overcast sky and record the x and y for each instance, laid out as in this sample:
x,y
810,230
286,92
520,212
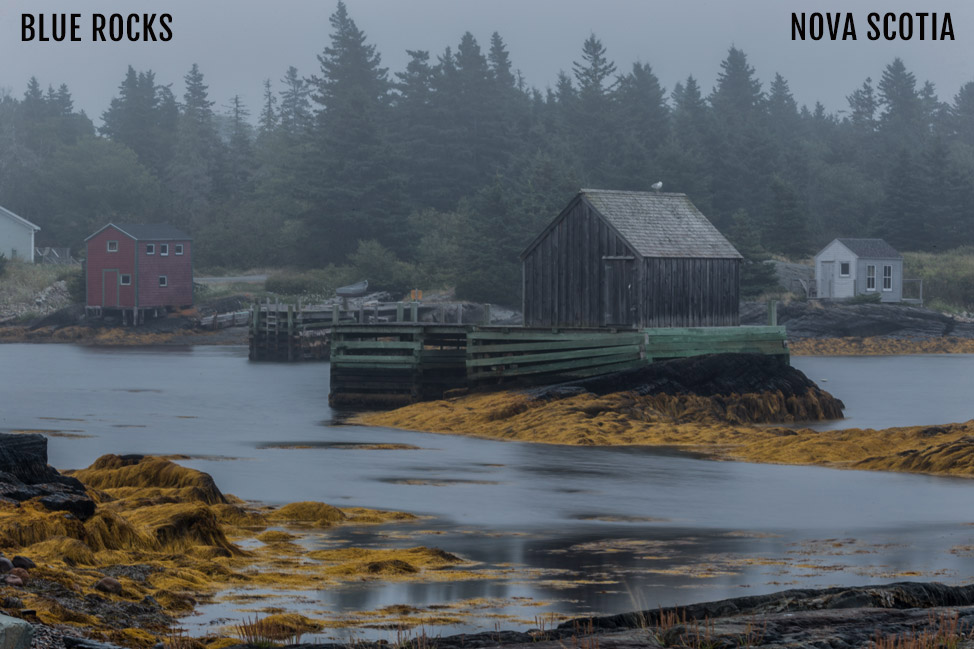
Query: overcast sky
x,y
239,43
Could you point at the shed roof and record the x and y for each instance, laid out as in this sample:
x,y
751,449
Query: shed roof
x,y
660,224
870,248
18,219
148,231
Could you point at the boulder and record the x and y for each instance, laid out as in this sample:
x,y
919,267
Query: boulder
x,y
25,474
21,574
23,562
6,565
14,633
109,585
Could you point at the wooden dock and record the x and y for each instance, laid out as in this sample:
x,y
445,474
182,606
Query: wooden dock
x,y
384,355
299,332
388,365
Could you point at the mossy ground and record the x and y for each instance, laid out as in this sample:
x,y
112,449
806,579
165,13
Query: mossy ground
x,y
723,427
166,531
879,346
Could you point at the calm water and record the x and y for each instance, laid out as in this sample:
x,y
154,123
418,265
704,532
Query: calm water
x,y
640,526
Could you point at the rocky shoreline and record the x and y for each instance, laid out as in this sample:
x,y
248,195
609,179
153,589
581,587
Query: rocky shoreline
x,y
906,614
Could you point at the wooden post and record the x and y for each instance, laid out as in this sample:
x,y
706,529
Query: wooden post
x,y
442,314
290,332
335,311
460,313
376,313
414,311
486,314
399,310
773,312
361,315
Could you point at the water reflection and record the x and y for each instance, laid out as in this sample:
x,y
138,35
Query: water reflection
x,y
577,529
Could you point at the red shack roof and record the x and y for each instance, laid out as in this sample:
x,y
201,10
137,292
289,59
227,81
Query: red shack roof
x,y
148,231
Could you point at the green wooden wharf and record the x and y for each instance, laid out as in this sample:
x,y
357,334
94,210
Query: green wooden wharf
x,y
376,363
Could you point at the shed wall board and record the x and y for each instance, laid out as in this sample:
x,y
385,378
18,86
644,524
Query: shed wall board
x,y
895,295
582,273
177,269
99,259
841,286
16,240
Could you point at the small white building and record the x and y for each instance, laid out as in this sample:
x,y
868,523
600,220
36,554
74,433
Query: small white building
x,y
849,267
16,236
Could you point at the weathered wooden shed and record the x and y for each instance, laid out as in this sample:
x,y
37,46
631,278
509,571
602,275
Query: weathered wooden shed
x,y
630,259
134,268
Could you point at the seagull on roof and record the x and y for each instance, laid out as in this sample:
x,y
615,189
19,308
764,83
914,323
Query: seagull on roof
x,y
658,185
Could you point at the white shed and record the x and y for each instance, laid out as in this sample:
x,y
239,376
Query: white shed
x,y
16,236
849,267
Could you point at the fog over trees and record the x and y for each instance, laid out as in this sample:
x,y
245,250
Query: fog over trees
x,y
445,170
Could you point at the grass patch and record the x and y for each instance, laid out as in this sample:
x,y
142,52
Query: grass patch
x,y
948,277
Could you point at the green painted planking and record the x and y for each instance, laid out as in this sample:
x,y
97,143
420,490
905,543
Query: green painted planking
x,y
553,356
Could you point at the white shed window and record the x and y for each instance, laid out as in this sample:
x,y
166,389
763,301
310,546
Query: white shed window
x,y
844,269
887,278
163,280
178,248
164,249
112,246
150,248
125,280
871,277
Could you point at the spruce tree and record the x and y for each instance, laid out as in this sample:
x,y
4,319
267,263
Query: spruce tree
x,y
349,172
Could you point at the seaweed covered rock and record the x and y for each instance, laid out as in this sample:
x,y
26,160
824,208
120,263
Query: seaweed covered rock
x,y
709,375
25,475
147,477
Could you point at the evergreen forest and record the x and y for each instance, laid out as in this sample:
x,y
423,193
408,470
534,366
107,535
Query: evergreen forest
x,y
441,173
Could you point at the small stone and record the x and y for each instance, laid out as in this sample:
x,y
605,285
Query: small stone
x,y
23,562
109,585
12,580
11,602
6,565
22,574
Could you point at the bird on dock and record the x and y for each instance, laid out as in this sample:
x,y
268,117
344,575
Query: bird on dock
x,y
657,186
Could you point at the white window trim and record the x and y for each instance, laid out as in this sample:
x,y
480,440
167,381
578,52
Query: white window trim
x,y
178,249
122,282
150,248
108,245
163,249
890,278
871,267
848,274
163,281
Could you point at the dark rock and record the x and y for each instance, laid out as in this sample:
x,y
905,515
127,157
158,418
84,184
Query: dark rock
x,y
78,504
820,319
68,316
109,585
706,376
23,562
6,565
25,474
11,602
72,642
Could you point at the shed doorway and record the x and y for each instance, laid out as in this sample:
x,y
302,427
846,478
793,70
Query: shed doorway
x,y
109,288
619,308
827,287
